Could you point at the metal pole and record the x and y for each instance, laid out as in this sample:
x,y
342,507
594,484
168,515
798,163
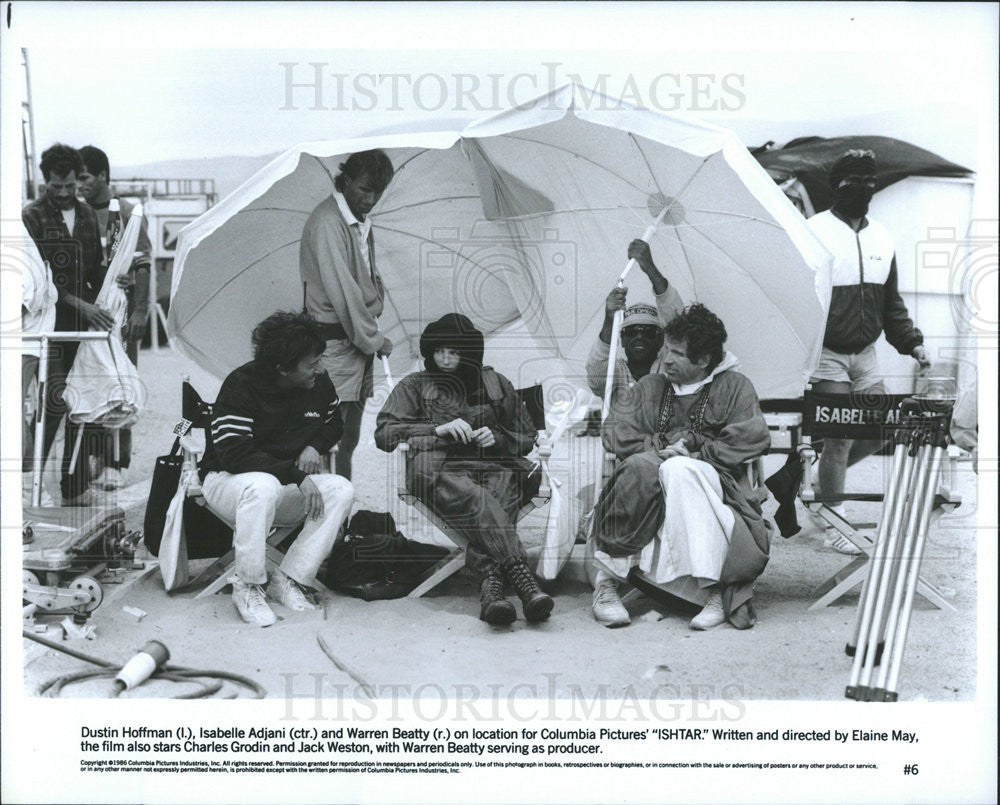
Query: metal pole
x,y
866,646
152,303
885,575
917,505
31,175
891,500
888,690
36,465
43,340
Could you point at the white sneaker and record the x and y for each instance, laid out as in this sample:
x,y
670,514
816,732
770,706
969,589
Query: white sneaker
x,y
285,591
111,479
711,615
608,607
250,603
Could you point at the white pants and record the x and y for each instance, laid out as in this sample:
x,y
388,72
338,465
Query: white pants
x,y
253,502
687,554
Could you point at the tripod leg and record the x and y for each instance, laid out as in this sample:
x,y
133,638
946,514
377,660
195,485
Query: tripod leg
x,y
864,660
889,673
891,499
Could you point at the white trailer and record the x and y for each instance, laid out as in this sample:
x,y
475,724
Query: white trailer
x,y
168,206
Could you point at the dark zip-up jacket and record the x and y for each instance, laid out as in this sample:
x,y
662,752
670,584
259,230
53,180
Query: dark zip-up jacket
x,y
865,297
75,258
259,427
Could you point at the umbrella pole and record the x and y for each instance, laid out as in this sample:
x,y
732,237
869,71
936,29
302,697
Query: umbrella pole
x,y
616,329
388,372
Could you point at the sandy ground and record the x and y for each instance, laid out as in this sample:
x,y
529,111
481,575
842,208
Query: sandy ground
x,y
438,644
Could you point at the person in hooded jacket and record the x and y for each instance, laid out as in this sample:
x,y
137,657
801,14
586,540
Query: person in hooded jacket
x,y
467,431
680,505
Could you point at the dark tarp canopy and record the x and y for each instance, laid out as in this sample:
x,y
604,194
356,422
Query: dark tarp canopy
x,y
809,160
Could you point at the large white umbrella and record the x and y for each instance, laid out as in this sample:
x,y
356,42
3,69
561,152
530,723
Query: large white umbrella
x,y
522,219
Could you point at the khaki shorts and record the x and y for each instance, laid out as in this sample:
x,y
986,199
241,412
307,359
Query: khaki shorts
x,y
350,369
860,370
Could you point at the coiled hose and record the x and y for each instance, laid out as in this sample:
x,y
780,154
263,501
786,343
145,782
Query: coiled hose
x,y
173,673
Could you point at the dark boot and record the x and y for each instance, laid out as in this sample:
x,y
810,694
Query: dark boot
x,y
493,607
537,605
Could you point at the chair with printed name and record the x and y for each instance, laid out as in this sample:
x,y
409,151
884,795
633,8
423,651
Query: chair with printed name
x,y
859,415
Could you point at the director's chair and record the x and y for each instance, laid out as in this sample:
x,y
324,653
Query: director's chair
x,y
860,415
532,398
197,415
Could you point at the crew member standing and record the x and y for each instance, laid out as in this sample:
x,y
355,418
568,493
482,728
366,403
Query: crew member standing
x,y
66,234
343,289
864,302
94,189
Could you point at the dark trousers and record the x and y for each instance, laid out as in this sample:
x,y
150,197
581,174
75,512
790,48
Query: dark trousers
x,y
480,499
61,357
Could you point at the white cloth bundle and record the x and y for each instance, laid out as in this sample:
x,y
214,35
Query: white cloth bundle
x,y
562,515
103,387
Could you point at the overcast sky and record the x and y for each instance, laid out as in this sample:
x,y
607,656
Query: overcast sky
x,y
163,81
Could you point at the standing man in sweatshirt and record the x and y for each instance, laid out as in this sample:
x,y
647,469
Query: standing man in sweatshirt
x,y
274,421
94,189
343,289
864,302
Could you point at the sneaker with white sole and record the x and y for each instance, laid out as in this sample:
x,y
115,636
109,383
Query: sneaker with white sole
x,y
109,480
711,615
285,591
842,544
608,607
250,603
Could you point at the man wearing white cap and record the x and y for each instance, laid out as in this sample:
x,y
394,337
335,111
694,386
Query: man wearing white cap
x,y
642,328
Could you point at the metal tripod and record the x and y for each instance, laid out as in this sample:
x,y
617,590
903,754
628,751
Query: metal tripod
x,y
883,616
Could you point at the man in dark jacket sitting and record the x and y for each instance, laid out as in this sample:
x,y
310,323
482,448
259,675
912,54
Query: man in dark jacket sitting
x,y
275,419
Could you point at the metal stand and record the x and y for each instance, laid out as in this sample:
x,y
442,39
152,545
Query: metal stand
x,y
856,571
886,602
43,376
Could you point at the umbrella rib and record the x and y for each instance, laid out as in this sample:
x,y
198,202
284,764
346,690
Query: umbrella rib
x,y
752,218
649,167
576,156
291,210
427,202
399,316
233,279
326,170
753,280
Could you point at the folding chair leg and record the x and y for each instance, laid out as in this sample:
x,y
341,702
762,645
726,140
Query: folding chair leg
x,y
220,568
218,583
448,566
849,576
841,582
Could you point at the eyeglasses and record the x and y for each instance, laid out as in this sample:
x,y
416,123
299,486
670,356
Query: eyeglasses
x,y
640,330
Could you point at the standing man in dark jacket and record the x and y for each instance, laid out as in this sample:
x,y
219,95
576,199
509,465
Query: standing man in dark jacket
x,y
94,188
66,233
864,302
274,421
